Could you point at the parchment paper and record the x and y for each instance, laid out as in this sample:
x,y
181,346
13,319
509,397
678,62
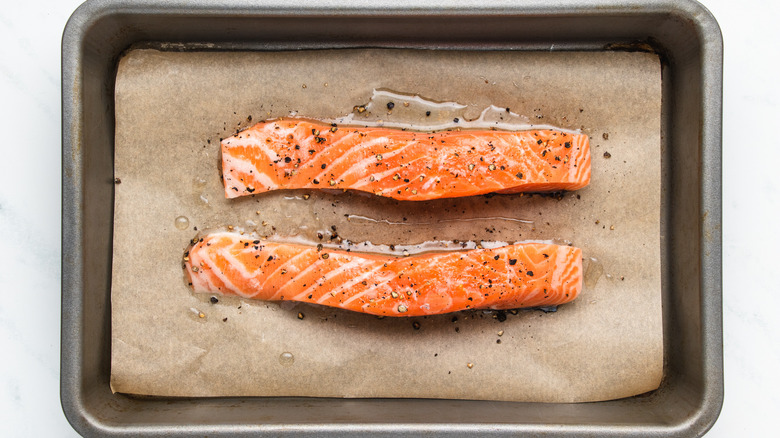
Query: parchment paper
x,y
173,108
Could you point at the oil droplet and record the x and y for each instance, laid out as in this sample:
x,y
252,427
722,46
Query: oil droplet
x,y
182,222
380,248
359,218
422,114
593,271
286,359
199,183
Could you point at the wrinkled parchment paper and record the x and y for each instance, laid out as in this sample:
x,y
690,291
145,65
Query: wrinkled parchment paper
x,y
173,108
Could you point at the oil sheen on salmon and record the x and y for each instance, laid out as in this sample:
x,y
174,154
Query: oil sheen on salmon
x,y
507,277
385,158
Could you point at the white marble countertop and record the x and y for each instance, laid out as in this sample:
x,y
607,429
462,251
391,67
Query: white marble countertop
x,y
30,218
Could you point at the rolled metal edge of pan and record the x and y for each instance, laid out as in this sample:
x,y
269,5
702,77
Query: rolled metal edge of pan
x,y
74,397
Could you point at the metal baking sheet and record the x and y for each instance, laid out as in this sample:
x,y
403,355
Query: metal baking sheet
x,y
683,33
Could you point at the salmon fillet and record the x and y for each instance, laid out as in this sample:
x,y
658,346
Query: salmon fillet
x,y
405,165
514,276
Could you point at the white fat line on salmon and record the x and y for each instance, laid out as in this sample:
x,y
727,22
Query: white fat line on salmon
x,y
455,281
562,257
450,301
271,130
200,258
390,191
367,162
570,271
280,290
509,274
477,297
280,268
237,239
211,263
316,157
264,180
382,282
442,309
507,176
356,280
578,172
429,182
236,264
398,170
490,182
313,266
254,142
204,258
316,265
477,167
250,171
531,174
487,179
327,277
532,293
571,174
211,286
388,174
511,162
539,170
200,282
582,164
345,156
244,268
333,145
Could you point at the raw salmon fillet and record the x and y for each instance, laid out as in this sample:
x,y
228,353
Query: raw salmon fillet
x,y
405,165
514,276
